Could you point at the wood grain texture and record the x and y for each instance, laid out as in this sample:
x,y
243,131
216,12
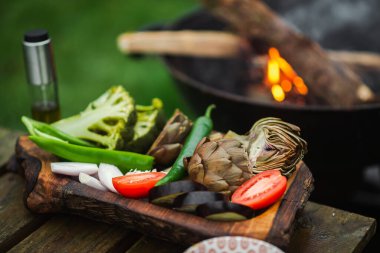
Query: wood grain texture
x,y
292,202
48,193
65,233
330,230
16,222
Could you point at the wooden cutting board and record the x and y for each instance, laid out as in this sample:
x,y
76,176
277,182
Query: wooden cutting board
x,y
48,193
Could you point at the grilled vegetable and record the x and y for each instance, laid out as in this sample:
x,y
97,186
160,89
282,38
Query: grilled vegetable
x,y
107,122
188,202
136,185
201,128
45,130
164,195
224,164
224,211
261,190
168,144
125,161
150,121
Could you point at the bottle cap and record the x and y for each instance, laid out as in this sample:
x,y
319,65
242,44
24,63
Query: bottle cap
x,y
38,57
37,35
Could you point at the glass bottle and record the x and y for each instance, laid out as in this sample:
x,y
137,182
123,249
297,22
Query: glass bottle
x,y
41,76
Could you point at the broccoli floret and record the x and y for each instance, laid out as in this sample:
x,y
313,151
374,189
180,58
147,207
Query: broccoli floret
x,y
150,121
107,122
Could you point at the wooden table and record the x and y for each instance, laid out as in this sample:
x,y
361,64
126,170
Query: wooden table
x,y
319,228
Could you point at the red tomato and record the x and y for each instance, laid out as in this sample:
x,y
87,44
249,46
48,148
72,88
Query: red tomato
x,y
136,185
261,190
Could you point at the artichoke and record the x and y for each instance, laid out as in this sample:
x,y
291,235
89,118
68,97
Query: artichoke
x,y
275,144
220,165
223,164
168,144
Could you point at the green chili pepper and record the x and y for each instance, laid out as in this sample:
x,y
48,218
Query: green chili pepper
x,y
201,128
125,161
45,130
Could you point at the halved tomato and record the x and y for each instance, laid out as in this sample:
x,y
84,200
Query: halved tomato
x,y
261,190
137,185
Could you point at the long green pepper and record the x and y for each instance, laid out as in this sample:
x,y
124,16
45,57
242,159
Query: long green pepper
x,y
201,128
125,161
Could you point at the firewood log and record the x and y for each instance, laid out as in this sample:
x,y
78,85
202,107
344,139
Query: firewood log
x,y
330,83
360,61
210,44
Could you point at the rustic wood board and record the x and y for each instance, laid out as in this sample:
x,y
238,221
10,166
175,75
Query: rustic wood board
x,y
47,193
318,228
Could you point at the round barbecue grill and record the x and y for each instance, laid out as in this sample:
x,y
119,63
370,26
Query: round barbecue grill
x,y
336,137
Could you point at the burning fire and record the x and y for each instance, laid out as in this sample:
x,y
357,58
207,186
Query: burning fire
x,y
281,77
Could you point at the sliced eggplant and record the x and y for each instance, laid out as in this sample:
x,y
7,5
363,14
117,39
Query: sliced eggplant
x,y
224,211
188,202
164,195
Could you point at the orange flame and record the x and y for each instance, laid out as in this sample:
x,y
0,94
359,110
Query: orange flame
x,y
273,71
286,85
273,53
278,93
300,85
281,77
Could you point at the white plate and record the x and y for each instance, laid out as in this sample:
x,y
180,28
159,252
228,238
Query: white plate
x,y
232,244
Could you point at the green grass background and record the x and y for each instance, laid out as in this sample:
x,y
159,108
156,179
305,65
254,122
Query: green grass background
x,y
87,60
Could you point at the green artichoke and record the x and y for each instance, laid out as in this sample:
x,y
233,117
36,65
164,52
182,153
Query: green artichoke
x,y
168,144
275,144
222,165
